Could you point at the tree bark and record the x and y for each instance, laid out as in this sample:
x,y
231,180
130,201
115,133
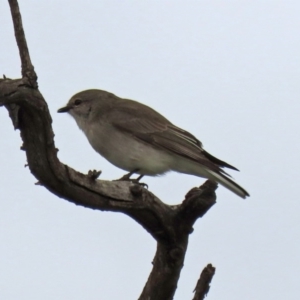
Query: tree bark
x,y
203,284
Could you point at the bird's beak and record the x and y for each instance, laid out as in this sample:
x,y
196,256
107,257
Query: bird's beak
x,y
64,109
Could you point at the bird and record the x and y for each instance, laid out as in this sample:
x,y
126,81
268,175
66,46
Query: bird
x,y
136,138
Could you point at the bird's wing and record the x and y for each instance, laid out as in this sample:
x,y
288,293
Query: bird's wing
x,y
152,128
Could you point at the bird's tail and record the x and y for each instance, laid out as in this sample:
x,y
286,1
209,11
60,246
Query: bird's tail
x,y
228,183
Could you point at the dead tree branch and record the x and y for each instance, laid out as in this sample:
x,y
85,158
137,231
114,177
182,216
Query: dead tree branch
x,y
169,225
203,284
27,67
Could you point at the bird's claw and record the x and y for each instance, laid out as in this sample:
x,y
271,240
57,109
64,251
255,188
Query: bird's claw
x,y
136,181
126,177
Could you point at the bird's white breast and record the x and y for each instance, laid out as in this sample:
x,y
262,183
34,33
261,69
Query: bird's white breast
x,y
125,151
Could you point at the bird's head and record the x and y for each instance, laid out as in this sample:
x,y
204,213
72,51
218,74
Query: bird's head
x,y
82,104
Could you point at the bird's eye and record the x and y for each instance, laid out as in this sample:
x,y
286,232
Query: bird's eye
x,y
77,102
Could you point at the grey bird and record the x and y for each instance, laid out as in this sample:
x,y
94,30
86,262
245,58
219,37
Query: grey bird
x,y
136,138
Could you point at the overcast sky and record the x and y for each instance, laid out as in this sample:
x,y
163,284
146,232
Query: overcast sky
x,y
226,71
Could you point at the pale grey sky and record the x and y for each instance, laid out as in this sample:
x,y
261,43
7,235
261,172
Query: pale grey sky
x,y
228,72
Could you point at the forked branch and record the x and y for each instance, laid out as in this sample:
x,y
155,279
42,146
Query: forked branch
x,y
169,225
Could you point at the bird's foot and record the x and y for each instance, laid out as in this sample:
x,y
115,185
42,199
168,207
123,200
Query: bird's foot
x,y
94,174
126,177
136,181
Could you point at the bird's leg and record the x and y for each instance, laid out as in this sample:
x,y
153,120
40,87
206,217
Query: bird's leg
x,y
126,177
140,177
137,181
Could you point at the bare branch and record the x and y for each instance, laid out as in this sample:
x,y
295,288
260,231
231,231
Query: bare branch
x,y
169,258
27,67
169,225
192,208
203,284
